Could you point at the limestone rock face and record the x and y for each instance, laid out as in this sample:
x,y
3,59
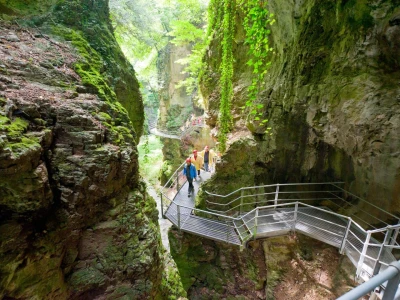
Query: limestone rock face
x,y
93,20
331,97
175,104
75,220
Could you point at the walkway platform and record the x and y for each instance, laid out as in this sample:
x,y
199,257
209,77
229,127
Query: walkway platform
x,y
187,221
369,250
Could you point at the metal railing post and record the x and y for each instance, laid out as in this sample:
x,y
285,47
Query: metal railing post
x,y
162,206
346,233
394,237
177,181
392,284
389,275
362,256
377,264
276,196
178,209
296,207
255,224
227,235
241,201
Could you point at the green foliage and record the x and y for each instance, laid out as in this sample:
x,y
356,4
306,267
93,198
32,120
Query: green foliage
x,y
144,28
146,149
225,118
185,32
177,116
189,31
141,28
256,24
150,158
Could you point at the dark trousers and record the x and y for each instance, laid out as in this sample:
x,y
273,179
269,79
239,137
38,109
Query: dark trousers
x,y
191,187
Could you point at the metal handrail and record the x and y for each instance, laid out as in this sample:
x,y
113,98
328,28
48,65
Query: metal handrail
x,y
377,207
385,228
349,235
173,175
391,275
225,207
270,185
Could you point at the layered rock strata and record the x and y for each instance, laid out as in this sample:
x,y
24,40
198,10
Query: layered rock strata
x,y
75,219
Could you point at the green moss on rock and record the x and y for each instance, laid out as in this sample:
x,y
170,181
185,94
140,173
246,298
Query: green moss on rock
x,y
90,65
86,279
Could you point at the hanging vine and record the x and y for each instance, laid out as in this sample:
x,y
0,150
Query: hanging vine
x,y
225,118
256,24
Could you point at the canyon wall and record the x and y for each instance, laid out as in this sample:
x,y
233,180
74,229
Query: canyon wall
x,y
331,96
76,221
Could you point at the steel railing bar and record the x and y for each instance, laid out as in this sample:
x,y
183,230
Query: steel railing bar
x,y
391,274
272,223
359,227
208,228
317,208
377,207
371,258
305,192
213,230
266,207
360,210
250,220
323,220
223,204
354,235
223,211
361,221
274,185
392,246
355,248
301,221
279,200
173,175
385,228
275,214
240,226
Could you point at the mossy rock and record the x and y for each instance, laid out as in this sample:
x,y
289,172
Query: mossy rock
x,y
86,279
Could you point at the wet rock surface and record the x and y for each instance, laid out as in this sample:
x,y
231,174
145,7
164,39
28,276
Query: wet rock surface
x,y
213,270
330,95
75,220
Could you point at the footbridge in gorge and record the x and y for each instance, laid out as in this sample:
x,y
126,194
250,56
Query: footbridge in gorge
x,y
318,210
180,134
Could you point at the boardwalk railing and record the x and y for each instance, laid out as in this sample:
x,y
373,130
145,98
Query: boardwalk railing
x,y
391,275
298,209
328,194
172,187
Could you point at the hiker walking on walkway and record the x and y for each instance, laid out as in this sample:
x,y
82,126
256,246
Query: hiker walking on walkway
x,y
197,161
190,171
209,157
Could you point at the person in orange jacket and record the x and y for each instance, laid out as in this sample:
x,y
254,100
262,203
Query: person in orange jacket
x,y
197,161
